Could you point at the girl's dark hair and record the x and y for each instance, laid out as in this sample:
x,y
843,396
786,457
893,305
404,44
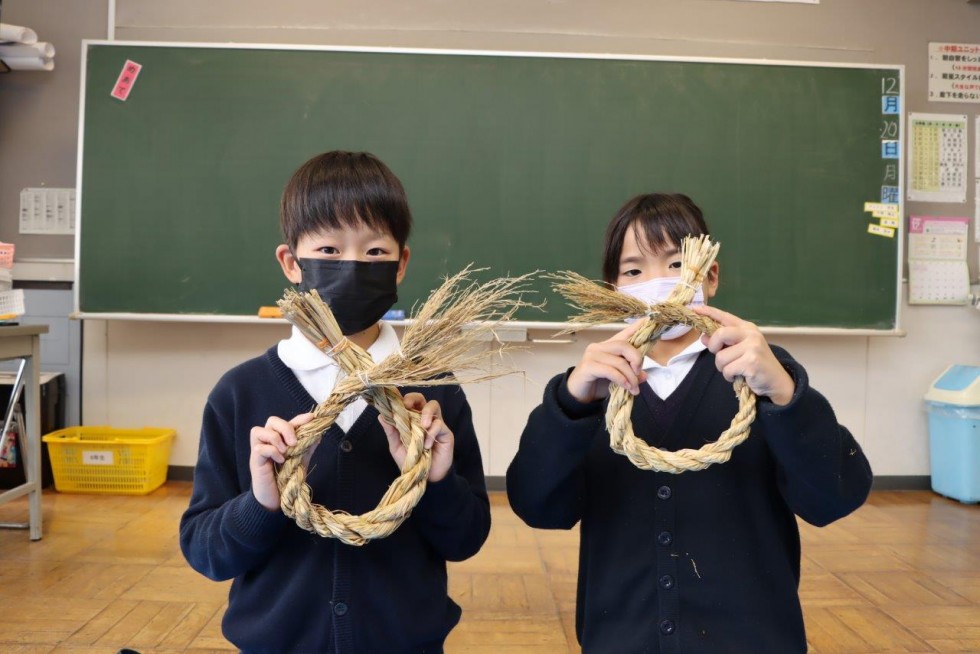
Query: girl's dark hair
x,y
339,189
663,218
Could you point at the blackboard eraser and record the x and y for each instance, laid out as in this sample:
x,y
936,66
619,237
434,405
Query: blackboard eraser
x,y
270,312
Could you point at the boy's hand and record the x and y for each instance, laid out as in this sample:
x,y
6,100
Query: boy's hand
x,y
438,437
741,349
613,360
268,445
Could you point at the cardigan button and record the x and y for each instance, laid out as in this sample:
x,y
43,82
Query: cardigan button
x,y
346,445
667,627
667,582
664,492
665,538
340,608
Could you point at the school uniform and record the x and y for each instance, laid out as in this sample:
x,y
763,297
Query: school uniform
x,y
704,562
294,591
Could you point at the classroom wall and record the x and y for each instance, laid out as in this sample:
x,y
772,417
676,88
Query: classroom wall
x,y
159,373
39,116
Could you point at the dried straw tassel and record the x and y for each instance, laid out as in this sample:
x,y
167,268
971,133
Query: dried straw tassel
x,y
437,349
601,304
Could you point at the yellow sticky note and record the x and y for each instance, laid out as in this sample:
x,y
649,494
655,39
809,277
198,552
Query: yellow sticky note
x,y
882,209
888,222
878,230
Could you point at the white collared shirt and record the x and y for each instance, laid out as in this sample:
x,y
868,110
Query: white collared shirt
x,y
664,380
318,372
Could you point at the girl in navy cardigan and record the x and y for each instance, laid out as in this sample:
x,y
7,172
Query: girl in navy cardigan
x,y
703,562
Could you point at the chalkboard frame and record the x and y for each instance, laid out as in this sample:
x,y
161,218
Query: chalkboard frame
x,y
898,69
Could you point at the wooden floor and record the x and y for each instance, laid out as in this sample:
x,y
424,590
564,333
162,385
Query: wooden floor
x,y
900,575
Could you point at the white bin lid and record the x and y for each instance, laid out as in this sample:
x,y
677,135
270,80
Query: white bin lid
x,y
958,385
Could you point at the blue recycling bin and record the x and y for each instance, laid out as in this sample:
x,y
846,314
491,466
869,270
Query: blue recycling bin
x,y
953,404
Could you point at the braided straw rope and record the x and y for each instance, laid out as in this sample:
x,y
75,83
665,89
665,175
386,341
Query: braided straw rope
x,y
434,345
402,495
602,304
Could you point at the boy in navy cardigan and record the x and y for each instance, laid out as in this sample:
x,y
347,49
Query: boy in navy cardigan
x,y
345,221
703,562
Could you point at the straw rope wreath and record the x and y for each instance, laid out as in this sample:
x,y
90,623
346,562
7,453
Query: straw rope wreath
x,y
601,304
436,350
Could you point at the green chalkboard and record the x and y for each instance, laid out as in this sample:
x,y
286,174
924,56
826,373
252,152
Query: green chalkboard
x,y
512,162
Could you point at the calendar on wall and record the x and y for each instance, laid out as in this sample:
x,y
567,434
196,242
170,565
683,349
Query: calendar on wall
x,y
938,272
938,282
937,157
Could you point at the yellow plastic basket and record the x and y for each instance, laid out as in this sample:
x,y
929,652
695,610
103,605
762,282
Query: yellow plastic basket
x,y
109,461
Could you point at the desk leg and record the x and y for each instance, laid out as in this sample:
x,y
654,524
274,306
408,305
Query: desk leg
x,y
32,408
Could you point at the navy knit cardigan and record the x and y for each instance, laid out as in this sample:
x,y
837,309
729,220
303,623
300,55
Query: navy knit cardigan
x,y
296,592
702,562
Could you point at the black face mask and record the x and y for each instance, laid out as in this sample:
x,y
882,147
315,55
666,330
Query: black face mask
x,y
358,292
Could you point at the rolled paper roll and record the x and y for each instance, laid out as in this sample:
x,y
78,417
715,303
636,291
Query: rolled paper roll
x,y
40,50
17,34
37,63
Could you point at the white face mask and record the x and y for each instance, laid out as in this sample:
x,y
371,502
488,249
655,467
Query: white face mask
x,y
656,290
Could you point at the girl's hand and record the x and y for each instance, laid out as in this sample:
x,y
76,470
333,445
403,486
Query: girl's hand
x,y
438,437
611,361
741,349
268,447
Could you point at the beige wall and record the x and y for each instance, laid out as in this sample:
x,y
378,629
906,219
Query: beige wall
x,y
159,374
39,115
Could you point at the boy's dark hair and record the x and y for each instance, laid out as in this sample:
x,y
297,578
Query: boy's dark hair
x,y
339,189
663,218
